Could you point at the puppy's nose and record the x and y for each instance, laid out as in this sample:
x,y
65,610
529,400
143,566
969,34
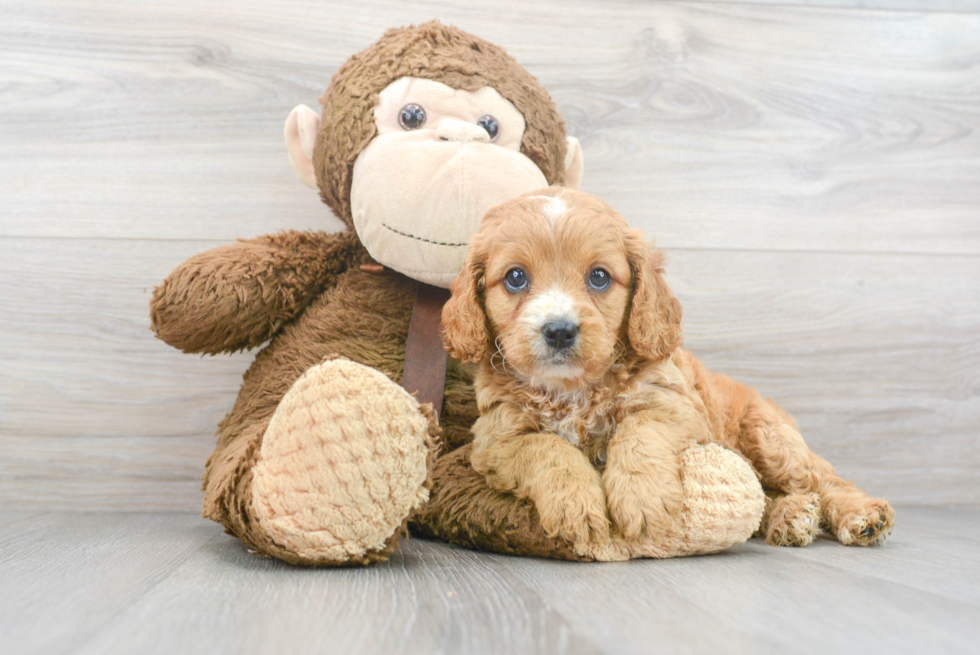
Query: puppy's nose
x,y
560,335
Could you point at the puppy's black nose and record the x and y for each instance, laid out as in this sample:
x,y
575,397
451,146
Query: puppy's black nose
x,y
560,335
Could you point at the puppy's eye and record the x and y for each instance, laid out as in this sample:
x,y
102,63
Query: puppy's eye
x,y
411,116
515,280
489,123
599,279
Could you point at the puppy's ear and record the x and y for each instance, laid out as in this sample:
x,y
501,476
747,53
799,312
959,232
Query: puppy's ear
x,y
655,315
464,325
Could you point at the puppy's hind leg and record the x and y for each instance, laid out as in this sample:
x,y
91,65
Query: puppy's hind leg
x,y
770,440
790,519
853,517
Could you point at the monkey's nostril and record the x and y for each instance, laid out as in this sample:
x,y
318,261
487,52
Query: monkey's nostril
x,y
560,335
451,129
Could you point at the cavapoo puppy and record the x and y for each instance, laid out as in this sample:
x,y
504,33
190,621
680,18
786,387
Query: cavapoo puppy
x,y
587,399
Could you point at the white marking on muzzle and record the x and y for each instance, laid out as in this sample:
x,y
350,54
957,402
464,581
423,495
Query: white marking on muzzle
x,y
549,306
552,305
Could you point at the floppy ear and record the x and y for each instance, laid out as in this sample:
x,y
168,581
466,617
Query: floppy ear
x,y
464,325
655,315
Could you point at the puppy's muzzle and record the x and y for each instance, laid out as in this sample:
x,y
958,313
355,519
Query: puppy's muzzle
x,y
560,335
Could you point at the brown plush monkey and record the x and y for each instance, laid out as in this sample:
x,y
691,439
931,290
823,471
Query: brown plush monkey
x,y
324,458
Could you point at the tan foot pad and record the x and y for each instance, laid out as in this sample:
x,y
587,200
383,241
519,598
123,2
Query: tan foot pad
x,y
342,464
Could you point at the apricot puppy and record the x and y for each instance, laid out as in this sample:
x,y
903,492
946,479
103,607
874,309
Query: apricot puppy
x,y
586,398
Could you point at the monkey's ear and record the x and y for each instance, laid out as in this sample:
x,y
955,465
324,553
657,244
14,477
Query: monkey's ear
x,y
301,129
574,163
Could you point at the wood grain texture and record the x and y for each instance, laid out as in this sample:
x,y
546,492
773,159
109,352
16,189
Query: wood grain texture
x,y
723,125
811,169
145,583
95,412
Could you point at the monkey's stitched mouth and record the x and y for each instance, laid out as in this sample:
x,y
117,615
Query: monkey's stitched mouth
x,y
417,238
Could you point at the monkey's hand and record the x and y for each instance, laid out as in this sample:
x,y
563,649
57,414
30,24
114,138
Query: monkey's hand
x,y
237,296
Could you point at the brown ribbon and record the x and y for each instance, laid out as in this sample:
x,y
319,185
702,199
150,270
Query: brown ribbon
x,y
425,359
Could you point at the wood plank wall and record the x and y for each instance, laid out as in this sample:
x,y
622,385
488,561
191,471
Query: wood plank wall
x,y
813,169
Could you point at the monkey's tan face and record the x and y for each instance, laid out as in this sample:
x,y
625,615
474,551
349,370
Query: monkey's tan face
x,y
441,158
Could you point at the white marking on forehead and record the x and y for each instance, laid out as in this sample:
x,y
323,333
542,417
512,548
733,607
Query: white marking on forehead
x,y
553,209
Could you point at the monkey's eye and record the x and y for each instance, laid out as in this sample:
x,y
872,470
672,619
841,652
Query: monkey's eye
x,y
411,116
489,123
515,280
599,279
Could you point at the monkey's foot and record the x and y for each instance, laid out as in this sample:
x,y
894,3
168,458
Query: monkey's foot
x,y
723,505
343,464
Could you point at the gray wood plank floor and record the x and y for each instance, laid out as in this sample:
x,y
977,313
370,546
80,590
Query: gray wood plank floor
x,y
173,583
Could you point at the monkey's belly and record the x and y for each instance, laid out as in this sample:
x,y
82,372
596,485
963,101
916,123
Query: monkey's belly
x,y
364,318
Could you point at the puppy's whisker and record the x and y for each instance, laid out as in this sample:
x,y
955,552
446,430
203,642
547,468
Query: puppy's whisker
x,y
620,350
500,352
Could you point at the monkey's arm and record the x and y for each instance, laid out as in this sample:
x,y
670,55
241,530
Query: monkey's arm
x,y
237,296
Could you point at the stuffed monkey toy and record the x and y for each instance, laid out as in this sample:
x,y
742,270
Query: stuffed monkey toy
x,y
351,425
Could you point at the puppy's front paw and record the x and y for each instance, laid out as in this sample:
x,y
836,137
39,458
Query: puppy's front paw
x,y
864,523
642,505
573,509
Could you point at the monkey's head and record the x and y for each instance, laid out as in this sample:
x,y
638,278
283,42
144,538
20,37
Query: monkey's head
x,y
421,133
